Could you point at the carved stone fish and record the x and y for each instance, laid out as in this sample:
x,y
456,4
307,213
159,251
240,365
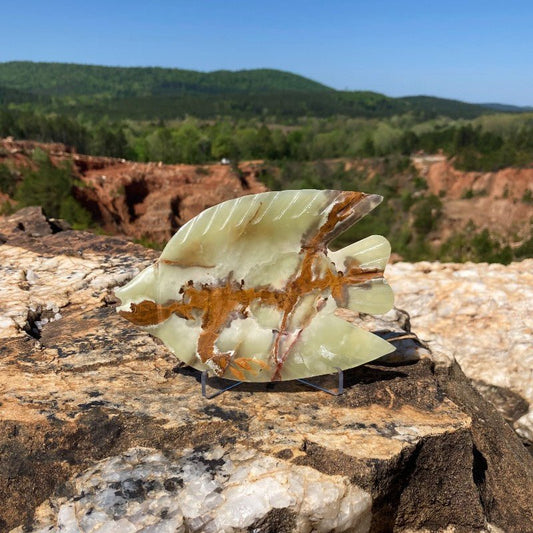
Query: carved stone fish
x,y
248,289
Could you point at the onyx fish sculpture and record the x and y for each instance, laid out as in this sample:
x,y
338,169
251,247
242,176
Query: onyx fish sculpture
x,y
249,290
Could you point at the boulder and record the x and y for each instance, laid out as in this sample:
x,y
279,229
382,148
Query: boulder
x,y
482,315
101,427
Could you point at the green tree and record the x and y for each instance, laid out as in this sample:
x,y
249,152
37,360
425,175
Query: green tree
x,y
464,137
225,146
161,146
368,150
110,140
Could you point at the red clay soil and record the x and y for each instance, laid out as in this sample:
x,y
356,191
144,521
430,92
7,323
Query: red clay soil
x,y
494,199
142,200
153,200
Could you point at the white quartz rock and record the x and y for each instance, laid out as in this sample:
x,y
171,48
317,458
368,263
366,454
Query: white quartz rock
x,y
212,491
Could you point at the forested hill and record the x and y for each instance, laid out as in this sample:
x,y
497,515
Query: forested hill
x,y
68,79
148,93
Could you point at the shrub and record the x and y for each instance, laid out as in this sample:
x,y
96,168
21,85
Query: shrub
x,y
51,187
527,197
427,214
7,208
478,247
8,180
525,250
74,213
420,183
202,171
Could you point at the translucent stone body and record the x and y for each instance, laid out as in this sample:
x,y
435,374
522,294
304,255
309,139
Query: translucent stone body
x,y
249,290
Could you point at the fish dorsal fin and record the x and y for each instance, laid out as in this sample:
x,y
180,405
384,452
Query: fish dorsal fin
x,y
262,224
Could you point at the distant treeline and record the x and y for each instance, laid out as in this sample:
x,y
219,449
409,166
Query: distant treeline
x,y
487,143
274,106
69,79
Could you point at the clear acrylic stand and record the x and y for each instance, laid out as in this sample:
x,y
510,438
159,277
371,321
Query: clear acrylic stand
x,y
333,392
205,377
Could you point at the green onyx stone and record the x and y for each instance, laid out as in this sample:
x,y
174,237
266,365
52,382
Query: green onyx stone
x,y
249,290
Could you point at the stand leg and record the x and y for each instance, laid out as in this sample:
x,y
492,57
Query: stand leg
x,y
205,377
338,392
340,386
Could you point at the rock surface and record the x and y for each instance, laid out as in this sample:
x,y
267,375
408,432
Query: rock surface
x,y
210,490
100,426
482,315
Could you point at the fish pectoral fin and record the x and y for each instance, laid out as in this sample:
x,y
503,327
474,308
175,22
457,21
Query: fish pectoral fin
x,y
373,297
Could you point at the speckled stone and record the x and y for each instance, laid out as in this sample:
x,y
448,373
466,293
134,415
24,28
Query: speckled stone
x,y
481,314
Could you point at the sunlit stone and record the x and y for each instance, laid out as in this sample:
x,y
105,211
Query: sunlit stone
x,y
249,290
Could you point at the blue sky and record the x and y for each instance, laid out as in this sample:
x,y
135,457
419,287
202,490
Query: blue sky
x,y
477,51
